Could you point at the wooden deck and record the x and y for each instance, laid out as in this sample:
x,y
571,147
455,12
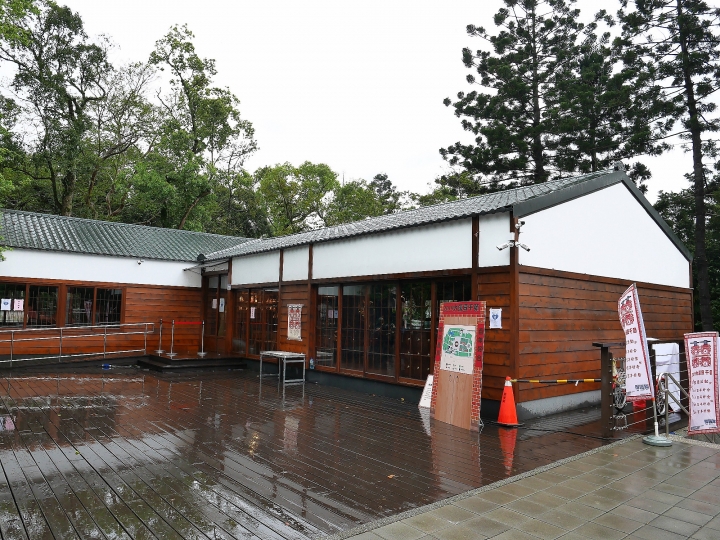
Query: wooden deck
x,y
134,454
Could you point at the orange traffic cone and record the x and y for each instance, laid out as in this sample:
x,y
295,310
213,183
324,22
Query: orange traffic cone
x,y
508,415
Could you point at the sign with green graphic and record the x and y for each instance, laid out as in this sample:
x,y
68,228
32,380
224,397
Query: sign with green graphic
x,y
458,348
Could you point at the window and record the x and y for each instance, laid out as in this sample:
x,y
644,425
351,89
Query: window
x,y
262,311
239,342
415,357
326,326
382,308
13,304
211,306
79,306
108,306
353,328
42,306
376,340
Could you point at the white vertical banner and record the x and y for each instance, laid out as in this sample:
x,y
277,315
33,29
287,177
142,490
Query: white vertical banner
x,y
701,350
639,385
295,322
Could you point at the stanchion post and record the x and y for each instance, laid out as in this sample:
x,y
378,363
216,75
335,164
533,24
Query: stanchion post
x,y
60,354
172,340
160,349
202,352
606,403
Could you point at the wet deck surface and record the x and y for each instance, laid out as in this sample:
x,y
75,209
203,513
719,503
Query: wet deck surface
x,y
133,454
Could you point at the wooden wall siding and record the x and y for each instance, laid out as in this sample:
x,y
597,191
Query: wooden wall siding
x,y
142,304
150,304
494,288
561,314
294,294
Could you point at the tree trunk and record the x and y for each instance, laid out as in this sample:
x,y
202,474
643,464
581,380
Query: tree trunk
x,y
190,208
539,174
700,259
68,194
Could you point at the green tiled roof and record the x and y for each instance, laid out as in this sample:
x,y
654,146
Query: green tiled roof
x,y
30,230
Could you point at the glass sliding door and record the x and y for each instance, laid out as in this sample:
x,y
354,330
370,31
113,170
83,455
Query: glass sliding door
x,y
327,326
262,310
387,328
242,307
415,354
352,355
382,310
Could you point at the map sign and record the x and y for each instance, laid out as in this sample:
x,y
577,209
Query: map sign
x,y
458,348
702,362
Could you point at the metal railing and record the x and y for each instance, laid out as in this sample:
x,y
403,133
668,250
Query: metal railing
x,y
64,336
613,402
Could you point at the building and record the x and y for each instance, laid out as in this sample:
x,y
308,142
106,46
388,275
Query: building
x,y
370,290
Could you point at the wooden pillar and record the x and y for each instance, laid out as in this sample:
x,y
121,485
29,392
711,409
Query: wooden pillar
x,y
398,328
514,311
474,287
312,310
230,311
339,328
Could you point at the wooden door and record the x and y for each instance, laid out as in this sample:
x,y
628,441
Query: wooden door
x,y
215,302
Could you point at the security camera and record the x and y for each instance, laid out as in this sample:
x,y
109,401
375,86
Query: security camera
x,y
506,245
523,246
519,224
141,261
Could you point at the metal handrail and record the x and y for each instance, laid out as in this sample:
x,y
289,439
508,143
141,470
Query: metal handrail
x,y
144,328
669,394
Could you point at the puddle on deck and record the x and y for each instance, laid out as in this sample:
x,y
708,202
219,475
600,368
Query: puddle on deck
x,y
132,454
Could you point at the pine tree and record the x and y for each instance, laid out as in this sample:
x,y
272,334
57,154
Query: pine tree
x,y
676,44
508,118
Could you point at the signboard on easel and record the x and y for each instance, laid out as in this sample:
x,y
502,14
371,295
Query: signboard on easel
x,y
458,364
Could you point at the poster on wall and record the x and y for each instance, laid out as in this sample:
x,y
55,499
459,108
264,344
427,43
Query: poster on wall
x,y
458,348
295,322
5,304
495,317
222,305
637,356
18,304
702,362
252,312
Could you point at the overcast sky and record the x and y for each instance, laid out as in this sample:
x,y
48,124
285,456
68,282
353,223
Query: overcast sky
x,y
358,85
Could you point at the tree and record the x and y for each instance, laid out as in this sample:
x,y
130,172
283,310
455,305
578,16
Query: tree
x,y
203,134
602,113
297,198
508,120
677,44
60,73
678,210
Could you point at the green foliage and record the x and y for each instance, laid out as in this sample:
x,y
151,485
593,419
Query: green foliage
x,y
508,120
297,198
678,210
675,46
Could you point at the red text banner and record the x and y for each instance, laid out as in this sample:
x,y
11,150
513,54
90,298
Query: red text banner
x,y
637,356
702,361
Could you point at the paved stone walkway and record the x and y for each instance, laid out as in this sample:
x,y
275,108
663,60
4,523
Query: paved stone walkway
x,y
626,490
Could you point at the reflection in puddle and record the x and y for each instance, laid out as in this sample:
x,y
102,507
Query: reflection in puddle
x,y
223,455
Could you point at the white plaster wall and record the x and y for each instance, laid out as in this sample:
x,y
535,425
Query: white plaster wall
x,y
441,246
606,233
30,263
295,263
494,230
259,268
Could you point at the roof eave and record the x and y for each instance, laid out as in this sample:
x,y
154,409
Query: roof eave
x,y
502,209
